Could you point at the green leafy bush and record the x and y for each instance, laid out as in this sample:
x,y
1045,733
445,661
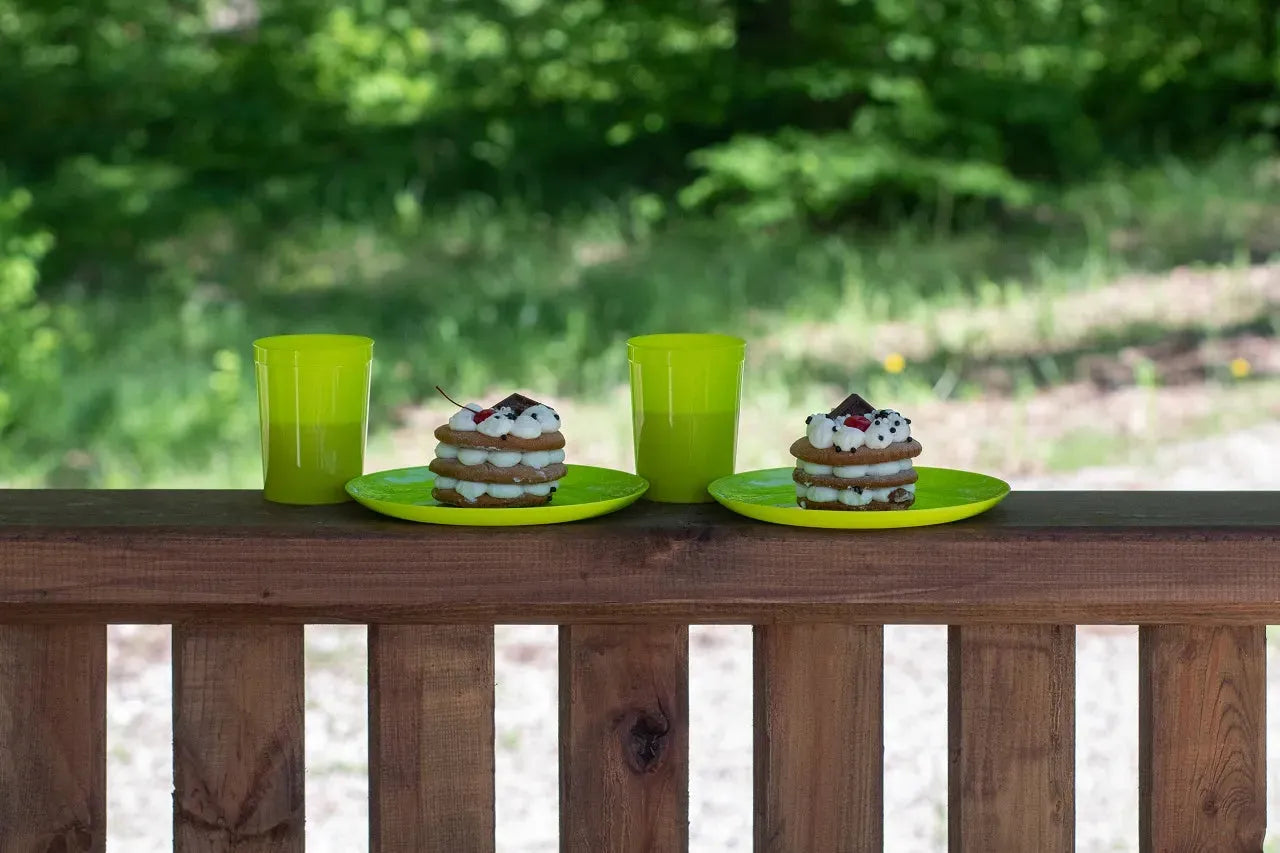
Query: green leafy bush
x,y
798,175
29,343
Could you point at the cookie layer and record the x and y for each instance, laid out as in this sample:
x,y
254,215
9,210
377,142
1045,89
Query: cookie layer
x,y
452,498
489,473
874,506
546,441
802,449
901,478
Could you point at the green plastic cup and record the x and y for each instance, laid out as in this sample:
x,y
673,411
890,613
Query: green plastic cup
x,y
313,403
685,395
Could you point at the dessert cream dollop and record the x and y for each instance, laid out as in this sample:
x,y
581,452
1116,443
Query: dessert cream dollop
x,y
464,420
526,427
548,420
849,438
471,456
888,427
470,491
821,430
496,425
504,458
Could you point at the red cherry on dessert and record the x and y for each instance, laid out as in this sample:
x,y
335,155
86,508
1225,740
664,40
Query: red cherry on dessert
x,y
483,415
857,422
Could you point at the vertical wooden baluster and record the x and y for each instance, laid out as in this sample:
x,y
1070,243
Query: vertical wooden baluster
x,y
819,738
1202,738
624,739
1012,738
53,714
431,738
237,731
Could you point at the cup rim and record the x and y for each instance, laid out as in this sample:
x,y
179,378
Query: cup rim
x,y
312,349
686,342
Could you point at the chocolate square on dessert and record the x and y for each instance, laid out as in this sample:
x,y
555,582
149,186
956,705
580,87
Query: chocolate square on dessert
x,y
517,403
852,405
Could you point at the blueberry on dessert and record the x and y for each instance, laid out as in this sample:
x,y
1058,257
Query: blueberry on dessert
x,y
506,455
856,457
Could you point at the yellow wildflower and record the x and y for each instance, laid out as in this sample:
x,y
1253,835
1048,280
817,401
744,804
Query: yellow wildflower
x,y
894,362
1240,367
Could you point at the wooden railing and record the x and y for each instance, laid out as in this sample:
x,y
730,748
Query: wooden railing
x,y
239,578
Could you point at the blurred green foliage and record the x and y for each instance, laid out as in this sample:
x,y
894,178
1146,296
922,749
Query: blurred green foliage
x,y
501,190
28,343
123,114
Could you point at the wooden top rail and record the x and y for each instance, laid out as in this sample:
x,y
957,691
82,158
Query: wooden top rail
x,y
1046,557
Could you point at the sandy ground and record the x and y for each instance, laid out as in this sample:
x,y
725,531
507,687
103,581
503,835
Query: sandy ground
x,y
720,694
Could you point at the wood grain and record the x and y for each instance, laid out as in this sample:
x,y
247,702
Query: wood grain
x,y
1202,739
1054,558
819,738
238,739
624,739
431,739
1011,738
53,713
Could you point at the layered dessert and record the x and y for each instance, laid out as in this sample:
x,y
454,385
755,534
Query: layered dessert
x,y
510,454
856,457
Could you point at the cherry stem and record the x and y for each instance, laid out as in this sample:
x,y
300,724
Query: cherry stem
x,y
455,402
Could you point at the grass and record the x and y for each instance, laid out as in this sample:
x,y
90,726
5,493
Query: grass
x,y
156,385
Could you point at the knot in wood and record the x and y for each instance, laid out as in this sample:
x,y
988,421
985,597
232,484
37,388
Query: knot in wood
x,y
674,547
646,736
75,838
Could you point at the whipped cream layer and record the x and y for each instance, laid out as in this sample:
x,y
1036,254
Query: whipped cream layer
x,y
531,423
849,497
471,491
850,472
500,458
884,428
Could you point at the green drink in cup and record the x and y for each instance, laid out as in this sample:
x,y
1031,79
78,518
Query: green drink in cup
x,y
313,402
685,393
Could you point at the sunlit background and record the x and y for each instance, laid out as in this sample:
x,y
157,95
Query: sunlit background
x,y
1048,231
